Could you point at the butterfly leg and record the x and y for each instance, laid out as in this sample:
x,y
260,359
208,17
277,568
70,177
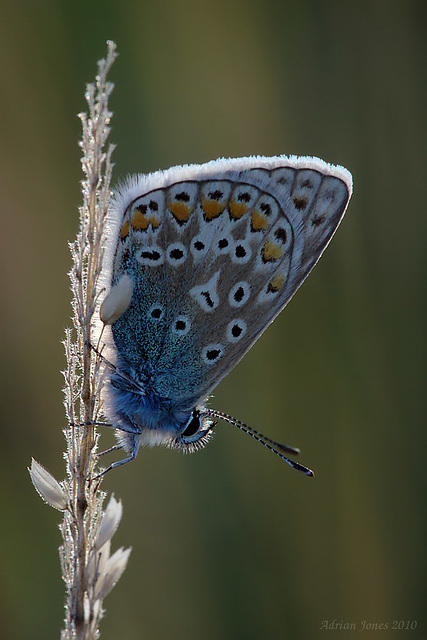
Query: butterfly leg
x,y
118,463
134,441
116,447
90,424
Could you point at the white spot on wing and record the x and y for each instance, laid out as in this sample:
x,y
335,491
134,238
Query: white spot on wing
x,y
236,329
151,256
206,294
212,353
176,254
241,253
239,294
199,247
156,312
181,325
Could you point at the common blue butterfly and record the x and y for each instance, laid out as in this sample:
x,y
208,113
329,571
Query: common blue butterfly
x,y
199,260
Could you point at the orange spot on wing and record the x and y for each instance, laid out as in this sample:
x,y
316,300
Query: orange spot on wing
x,y
180,211
258,221
237,209
276,283
212,208
271,251
139,221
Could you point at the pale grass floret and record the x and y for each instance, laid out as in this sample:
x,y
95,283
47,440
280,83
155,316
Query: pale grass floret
x,y
47,486
98,561
112,571
110,521
88,569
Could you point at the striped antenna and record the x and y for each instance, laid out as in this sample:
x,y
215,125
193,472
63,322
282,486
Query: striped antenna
x,y
271,445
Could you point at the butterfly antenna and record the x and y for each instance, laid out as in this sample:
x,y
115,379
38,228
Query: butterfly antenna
x,y
271,445
238,423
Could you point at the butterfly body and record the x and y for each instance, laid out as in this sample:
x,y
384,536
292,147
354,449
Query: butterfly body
x,y
210,255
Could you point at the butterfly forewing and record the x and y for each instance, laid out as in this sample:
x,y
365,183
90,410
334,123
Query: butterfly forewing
x,y
215,252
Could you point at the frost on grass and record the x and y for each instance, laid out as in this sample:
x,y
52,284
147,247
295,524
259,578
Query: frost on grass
x,y
88,568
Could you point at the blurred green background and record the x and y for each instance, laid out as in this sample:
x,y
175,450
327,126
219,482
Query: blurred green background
x,y
230,543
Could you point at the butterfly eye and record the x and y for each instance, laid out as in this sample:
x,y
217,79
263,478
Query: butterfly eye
x,y
193,425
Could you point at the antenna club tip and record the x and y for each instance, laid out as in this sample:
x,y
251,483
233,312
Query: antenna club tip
x,y
299,467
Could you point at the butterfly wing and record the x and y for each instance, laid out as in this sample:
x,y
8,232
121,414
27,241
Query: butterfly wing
x,y
215,252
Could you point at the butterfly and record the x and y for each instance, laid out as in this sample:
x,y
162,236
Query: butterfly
x,y
199,260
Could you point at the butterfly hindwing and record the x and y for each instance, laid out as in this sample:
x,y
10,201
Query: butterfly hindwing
x,y
215,252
